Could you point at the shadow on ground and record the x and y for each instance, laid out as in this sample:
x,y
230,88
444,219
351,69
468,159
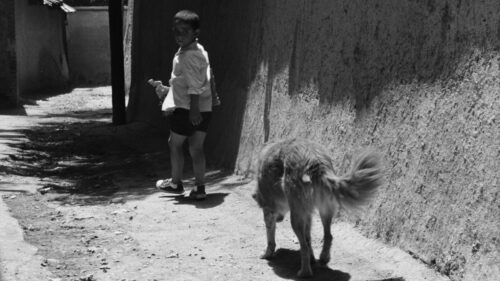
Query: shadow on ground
x,y
87,161
212,200
286,263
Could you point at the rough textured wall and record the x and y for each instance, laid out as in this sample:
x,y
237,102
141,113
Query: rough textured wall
x,y
226,32
8,82
419,81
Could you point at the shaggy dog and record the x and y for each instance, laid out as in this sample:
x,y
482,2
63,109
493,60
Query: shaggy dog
x,y
297,175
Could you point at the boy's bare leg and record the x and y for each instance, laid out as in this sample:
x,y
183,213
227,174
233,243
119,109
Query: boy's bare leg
x,y
175,142
198,155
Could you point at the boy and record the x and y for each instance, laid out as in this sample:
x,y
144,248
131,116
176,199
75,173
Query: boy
x,y
192,98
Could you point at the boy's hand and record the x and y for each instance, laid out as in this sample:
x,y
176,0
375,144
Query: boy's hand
x,y
195,116
160,90
154,83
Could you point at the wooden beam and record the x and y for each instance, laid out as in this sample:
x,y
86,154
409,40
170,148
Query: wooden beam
x,y
115,12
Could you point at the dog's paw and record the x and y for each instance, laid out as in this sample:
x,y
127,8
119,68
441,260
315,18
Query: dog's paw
x,y
267,255
324,259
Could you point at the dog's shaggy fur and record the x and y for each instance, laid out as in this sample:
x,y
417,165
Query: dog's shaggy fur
x,y
297,175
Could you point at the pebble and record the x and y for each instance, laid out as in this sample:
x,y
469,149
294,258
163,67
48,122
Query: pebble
x,y
176,255
121,211
117,200
92,249
89,277
44,190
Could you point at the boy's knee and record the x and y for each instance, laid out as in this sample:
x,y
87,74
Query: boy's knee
x,y
174,145
170,143
195,150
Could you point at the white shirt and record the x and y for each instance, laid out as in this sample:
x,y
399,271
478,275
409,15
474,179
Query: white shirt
x,y
191,76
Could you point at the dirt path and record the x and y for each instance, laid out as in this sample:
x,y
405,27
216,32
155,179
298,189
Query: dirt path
x,y
99,217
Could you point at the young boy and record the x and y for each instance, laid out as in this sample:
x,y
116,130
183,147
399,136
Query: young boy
x,y
192,98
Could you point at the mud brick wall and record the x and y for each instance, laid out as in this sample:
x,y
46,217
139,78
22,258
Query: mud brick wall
x,y
418,80
8,85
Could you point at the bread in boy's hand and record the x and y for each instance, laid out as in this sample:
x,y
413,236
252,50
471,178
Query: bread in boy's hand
x,y
154,83
160,90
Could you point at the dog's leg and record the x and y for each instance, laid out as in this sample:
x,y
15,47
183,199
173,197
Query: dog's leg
x,y
308,237
270,220
326,219
299,225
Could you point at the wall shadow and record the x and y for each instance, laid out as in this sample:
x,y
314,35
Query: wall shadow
x,y
13,110
331,51
228,52
352,52
30,97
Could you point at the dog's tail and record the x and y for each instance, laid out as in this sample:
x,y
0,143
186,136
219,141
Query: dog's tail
x,y
359,185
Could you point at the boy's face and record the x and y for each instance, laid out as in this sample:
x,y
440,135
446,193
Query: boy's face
x,y
184,34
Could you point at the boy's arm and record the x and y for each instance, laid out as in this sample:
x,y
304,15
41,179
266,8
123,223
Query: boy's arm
x,y
194,110
194,67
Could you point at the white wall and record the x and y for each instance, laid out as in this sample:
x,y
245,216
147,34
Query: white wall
x,y
88,46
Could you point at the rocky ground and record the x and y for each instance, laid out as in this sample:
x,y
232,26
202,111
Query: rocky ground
x,y
82,196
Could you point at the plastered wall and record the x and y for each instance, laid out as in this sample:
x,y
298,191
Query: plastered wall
x,y
416,80
41,58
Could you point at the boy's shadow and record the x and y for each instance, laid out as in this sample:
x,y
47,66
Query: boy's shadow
x,y
212,200
286,264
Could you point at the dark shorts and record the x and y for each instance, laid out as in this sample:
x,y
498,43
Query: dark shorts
x,y
180,124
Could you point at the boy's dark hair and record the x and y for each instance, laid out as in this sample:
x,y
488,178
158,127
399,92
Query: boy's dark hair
x,y
188,17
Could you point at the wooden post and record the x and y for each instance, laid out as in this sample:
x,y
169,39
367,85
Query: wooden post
x,y
115,12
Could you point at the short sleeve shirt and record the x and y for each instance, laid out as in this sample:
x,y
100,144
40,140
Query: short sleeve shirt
x,y
191,76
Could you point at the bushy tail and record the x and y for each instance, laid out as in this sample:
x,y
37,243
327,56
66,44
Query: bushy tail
x,y
359,185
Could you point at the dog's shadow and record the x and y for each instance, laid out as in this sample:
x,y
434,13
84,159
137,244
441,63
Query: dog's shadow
x,y
212,200
286,263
